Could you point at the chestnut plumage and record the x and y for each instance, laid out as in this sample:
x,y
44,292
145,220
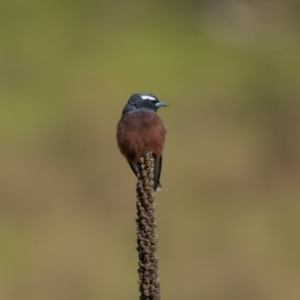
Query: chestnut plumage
x,y
140,131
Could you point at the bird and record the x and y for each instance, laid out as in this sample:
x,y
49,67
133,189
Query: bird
x,y
141,131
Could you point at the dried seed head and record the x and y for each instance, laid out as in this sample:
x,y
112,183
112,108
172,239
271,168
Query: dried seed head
x,y
146,237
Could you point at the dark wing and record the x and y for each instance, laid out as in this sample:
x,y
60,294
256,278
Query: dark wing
x,y
134,168
157,170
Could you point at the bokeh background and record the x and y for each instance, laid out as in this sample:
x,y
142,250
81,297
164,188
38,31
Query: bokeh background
x,y
228,217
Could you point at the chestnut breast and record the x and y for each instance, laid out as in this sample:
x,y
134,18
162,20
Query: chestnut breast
x,y
139,133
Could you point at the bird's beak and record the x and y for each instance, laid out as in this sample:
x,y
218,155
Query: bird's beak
x,y
160,103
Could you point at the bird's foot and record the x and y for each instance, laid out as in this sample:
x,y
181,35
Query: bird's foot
x,y
150,154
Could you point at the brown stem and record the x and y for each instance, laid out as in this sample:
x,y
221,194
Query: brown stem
x,y
149,285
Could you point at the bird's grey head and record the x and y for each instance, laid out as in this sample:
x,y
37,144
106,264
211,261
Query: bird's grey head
x,y
142,102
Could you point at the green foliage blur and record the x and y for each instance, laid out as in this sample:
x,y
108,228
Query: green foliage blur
x,y
228,215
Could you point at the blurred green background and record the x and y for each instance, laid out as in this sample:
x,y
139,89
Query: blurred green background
x,y
228,217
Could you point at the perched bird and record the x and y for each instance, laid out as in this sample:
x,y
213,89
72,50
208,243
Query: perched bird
x,y
140,131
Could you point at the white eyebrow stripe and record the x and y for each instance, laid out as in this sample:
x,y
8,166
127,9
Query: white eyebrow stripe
x,y
148,97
